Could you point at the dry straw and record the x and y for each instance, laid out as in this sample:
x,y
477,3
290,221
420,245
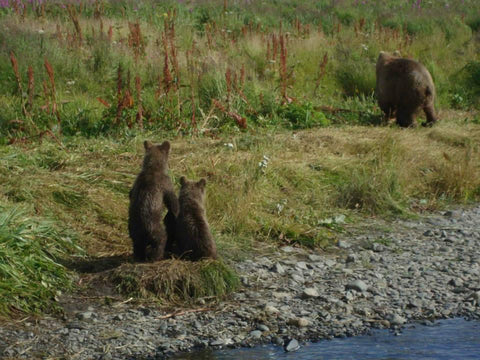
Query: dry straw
x,y
173,280
72,13
14,62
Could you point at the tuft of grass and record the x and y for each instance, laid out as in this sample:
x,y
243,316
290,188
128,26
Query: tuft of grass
x,y
374,190
451,138
456,177
357,77
175,280
374,185
310,235
30,273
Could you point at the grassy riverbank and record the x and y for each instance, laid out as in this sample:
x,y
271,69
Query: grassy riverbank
x,y
271,102
263,189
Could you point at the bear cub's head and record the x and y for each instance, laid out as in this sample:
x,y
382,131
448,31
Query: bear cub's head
x,y
193,190
156,155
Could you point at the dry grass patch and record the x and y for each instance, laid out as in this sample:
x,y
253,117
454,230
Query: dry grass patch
x,y
174,280
274,186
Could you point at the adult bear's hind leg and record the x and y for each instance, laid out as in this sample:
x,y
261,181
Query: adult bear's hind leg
x,y
405,118
430,114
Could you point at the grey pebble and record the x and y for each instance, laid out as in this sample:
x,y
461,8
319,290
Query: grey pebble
x,y
263,327
343,244
357,285
397,320
310,293
256,334
87,315
292,345
278,268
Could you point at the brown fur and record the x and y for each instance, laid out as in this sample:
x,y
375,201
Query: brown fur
x,y
403,88
192,233
169,221
151,191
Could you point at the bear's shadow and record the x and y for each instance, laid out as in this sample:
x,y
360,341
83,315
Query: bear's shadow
x,y
92,265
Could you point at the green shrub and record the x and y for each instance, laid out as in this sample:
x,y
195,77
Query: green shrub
x,y
82,118
466,89
474,23
346,17
390,23
302,116
419,26
211,86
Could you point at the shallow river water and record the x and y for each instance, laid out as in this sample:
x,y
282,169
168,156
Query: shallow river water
x,y
445,340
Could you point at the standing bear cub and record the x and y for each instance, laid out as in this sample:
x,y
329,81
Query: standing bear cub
x,y
192,233
403,88
151,191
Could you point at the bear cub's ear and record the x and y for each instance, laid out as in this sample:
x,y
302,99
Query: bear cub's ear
x,y
147,144
165,146
202,183
183,180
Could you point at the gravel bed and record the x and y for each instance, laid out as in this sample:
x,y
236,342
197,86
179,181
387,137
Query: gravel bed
x,y
422,270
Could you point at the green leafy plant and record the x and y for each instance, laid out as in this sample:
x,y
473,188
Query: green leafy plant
x,y
302,116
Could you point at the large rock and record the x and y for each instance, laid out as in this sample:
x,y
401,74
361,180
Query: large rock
x,y
291,345
299,322
357,285
309,293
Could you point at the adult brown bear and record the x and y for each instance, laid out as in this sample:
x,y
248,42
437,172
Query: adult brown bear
x,y
151,191
403,88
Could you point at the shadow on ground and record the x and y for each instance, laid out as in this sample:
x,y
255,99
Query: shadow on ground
x,y
91,265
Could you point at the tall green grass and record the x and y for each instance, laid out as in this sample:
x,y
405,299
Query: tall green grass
x,y
210,42
31,275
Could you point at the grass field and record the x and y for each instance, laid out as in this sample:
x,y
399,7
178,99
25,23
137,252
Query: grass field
x,y
271,101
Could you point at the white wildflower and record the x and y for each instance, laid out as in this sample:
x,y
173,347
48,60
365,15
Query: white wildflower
x,y
264,163
280,206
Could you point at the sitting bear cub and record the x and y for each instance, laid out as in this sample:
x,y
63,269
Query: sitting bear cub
x,y
192,236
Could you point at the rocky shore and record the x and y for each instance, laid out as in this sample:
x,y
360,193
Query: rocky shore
x,y
418,270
